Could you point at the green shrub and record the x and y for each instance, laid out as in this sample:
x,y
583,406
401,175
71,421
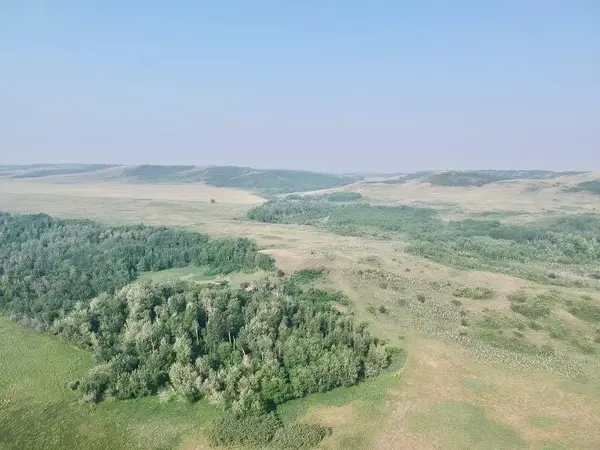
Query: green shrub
x,y
306,276
475,293
343,196
533,309
518,297
585,310
254,430
299,436
500,339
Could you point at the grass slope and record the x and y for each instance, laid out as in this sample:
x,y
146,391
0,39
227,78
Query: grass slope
x,y
67,169
592,186
38,411
483,177
266,181
465,426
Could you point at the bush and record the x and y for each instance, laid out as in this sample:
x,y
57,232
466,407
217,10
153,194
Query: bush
x,y
518,297
254,430
343,196
212,200
299,436
421,298
475,293
534,309
585,310
306,276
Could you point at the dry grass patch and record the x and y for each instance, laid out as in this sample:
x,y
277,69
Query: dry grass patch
x,y
436,375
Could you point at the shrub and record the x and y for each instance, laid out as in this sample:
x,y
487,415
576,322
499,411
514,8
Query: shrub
x,y
299,436
475,293
585,310
212,200
306,276
456,302
343,196
518,297
255,430
421,298
383,309
499,339
534,309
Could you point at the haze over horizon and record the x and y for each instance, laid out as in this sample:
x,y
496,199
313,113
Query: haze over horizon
x,y
337,87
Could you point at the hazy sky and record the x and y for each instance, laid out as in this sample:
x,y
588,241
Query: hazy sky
x,y
324,85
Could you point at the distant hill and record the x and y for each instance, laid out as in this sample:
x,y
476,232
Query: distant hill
x,y
592,186
66,169
267,181
483,177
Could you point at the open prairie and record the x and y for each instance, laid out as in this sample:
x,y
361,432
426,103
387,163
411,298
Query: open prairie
x,y
498,352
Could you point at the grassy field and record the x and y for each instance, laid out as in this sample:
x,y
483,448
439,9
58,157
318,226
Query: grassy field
x,y
38,411
494,359
201,275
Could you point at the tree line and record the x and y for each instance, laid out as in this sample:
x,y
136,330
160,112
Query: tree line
x,y
48,265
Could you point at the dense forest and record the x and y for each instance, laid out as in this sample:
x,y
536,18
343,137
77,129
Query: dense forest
x,y
242,348
245,348
48,265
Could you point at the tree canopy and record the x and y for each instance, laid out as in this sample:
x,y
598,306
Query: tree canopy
x,y
48,265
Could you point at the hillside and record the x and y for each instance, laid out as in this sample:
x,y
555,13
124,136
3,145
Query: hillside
x,y
266,181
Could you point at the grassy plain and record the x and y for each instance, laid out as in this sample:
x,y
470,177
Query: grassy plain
x,y
479,373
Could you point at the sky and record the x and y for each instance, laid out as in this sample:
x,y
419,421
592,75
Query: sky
x,y
339,86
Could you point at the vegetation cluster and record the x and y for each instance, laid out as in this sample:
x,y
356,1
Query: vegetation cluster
x,y
243,349
246,349
560,250
47,266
